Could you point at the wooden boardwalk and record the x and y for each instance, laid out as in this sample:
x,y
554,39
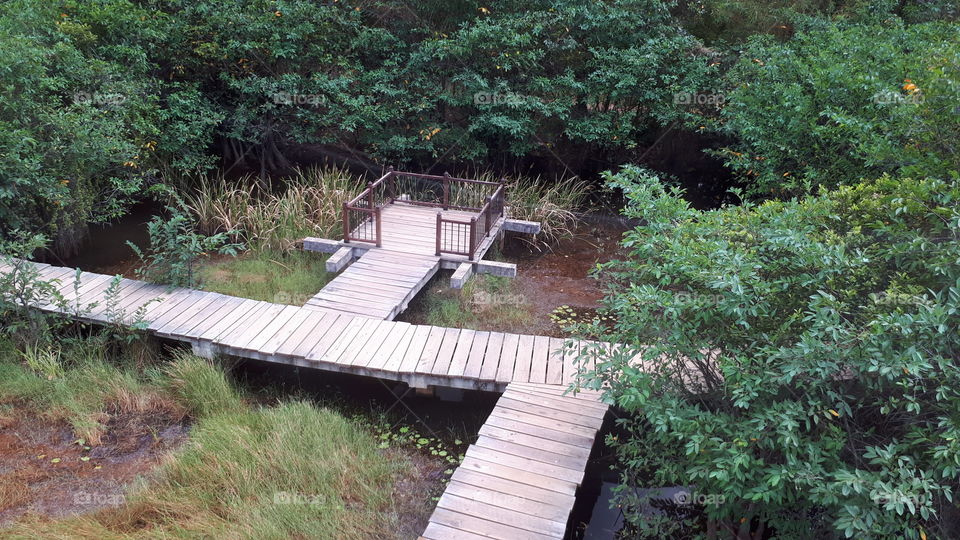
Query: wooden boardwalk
x,y
519,480
419,355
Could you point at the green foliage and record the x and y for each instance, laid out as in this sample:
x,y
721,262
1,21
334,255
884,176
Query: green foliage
x,y
22,289
797,359
486,302
841,102
175,248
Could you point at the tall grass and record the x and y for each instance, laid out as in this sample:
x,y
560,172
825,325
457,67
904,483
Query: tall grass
x,y
83,391
554,204
292,470
308,203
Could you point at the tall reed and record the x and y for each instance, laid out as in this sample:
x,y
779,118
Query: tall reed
x,y
308,203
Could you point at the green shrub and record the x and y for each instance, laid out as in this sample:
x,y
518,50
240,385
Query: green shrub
x,y
797,360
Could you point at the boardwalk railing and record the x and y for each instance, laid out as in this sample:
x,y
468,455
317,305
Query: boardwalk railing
x,y
361,215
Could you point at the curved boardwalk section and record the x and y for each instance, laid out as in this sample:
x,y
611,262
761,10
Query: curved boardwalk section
x,y
520,478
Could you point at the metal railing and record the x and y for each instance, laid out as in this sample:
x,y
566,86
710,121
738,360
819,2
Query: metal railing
x,y
457,236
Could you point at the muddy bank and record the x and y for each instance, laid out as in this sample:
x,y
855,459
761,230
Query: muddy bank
x,y
47,471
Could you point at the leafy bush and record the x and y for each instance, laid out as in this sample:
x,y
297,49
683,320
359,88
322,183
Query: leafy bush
x,y
841,102
795,360
175,248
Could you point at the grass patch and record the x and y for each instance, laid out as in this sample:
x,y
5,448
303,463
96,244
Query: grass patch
x,y
282,278
486,302
83,390
293,470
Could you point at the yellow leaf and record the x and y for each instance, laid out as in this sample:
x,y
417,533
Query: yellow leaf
x,y
835,413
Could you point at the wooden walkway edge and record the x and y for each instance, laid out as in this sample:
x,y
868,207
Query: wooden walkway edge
x,y
519,480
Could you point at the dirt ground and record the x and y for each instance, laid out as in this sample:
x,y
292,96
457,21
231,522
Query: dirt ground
x,y
46,470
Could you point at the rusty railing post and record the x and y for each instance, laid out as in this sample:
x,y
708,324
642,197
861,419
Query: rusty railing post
x,y
439,229
473,238
376,214
346,223
446,191
371,202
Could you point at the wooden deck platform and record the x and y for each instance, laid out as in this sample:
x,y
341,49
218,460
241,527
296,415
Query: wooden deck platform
x,y
520,478
383,281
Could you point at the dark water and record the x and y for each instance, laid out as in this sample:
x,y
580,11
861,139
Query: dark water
x,y
448,415
106,251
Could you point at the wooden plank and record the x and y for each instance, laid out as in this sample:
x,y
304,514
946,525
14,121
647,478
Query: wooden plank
x,y
309,327
511,487
341,342
477,353
247,329
526,464
271,329
414,354
538,363
559,514
584,406
588,433
204,320
555,362
451,342
391,362
436,531
521,370
506,516
240,325
521,403
227,321
270,347
540,454
169,305
185,315
519,475
534,441
322,335
428,356
389,343
508,357
588,398
483,527
538,431
369,342
458,362
491,358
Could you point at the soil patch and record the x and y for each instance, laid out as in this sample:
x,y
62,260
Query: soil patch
x,y
46,470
